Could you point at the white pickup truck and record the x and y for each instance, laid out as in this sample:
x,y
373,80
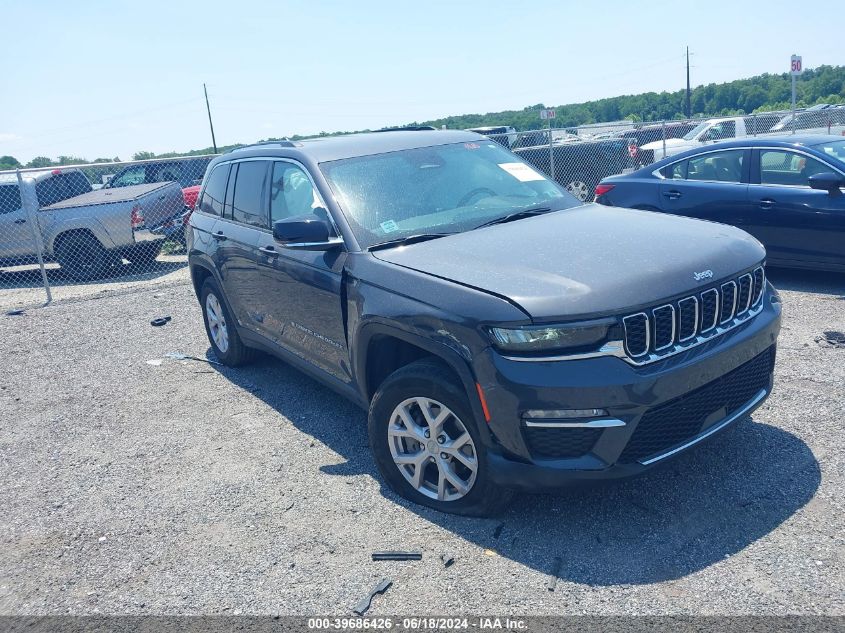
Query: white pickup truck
x,y
85,230
709,131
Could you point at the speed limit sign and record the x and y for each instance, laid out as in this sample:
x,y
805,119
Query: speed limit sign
x,y
795,67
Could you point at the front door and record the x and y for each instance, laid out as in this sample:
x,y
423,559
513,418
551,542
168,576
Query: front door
x,y
794,222
15,226
302,303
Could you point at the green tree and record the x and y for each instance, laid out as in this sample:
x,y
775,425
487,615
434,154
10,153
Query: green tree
x,y
9,162
143,155
40,161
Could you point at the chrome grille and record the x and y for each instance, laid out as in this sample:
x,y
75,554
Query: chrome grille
x,y
677,325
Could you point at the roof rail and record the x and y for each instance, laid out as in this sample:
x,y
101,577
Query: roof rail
x,y
407,128
280,143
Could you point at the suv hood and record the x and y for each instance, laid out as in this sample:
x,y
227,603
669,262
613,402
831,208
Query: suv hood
x,y
583,262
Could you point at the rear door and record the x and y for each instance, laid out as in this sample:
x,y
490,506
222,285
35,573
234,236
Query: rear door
x,y
794,222
711,186
302,309
236,234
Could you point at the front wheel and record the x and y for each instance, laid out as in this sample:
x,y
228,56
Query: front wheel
x,y
426,445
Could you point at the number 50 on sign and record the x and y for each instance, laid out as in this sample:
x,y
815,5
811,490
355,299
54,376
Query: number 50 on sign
x,y
795,66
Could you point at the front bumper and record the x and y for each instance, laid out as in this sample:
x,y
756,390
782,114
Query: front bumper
x,y
675,403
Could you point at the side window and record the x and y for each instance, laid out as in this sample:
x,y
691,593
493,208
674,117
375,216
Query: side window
x,y
165,172
788,168
725,129
10,199
291,192
248,202
134,175
675,171
717,166
215,189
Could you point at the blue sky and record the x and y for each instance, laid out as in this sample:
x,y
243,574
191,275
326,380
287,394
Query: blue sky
x,y
105,79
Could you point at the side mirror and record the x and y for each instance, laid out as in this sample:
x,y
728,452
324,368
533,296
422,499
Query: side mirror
x,y
827,181
305,232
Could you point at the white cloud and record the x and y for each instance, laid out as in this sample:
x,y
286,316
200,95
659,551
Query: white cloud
x,y
8,137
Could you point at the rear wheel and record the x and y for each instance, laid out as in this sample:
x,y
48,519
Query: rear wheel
x,y
145,253
220,327
82,256
426,445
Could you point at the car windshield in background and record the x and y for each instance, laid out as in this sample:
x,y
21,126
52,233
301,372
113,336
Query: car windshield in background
x,y
690,136
834,149
441,189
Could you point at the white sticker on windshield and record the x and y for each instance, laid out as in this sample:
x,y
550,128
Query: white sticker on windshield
x,y
521,171
389,226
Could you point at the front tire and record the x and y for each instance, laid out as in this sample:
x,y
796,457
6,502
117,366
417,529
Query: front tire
x,y
426,444
220,327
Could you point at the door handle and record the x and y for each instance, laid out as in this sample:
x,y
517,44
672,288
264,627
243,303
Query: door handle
x,y
767,203
269,251
673,194
20,221
219,236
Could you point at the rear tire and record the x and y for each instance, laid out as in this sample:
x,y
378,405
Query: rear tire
x,y
447,469
145,253
220,327
82,256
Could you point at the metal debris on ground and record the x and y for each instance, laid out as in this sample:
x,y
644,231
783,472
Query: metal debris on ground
x,y
448,560
397,555
15,313
161,321
180,356
831,338
362,607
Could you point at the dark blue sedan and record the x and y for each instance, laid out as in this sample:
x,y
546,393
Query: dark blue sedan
x,y
787,191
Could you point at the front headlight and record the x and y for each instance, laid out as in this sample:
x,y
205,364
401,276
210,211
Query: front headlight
x,y
547,338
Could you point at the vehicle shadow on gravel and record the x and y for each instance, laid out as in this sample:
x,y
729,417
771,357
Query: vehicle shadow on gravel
x,y
813,281
703,507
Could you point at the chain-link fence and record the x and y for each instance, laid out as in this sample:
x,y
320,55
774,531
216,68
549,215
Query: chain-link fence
x,y
102,223
580,157
116,223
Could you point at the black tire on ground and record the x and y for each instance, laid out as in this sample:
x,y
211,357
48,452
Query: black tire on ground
x,y
145,253
430,378
82,256
235,352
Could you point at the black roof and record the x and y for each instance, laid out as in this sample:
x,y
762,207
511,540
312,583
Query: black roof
x,y
329,148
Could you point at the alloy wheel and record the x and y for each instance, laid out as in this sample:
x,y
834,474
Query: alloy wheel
x,y
432,449
579,189
217,322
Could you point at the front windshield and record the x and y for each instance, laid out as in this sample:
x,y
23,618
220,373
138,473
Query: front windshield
x,y
440,189
834,149
690,136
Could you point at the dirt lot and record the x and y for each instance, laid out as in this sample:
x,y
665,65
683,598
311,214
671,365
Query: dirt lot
x,y
136,483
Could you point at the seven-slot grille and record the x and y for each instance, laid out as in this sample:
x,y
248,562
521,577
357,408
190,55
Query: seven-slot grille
x,y
679,324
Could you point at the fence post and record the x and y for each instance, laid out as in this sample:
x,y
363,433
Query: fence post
x,y
31,211
663,129
753,124
551,154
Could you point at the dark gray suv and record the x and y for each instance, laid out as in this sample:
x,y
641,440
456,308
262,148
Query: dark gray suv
x,y
500,334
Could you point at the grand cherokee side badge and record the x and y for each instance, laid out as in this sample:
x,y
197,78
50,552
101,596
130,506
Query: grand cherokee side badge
x,y
704,274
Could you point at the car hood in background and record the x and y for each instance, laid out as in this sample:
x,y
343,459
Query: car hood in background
x,y
587,261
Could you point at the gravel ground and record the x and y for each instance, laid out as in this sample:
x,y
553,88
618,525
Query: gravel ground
x,y
180,487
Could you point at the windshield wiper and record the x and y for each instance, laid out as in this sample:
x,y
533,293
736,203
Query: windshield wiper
x,y
410,239
517,215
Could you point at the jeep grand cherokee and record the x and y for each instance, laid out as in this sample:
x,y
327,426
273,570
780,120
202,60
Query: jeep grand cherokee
x,y
500,334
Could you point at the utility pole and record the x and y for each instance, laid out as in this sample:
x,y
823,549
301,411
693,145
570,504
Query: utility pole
x,y
210,124
688,105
